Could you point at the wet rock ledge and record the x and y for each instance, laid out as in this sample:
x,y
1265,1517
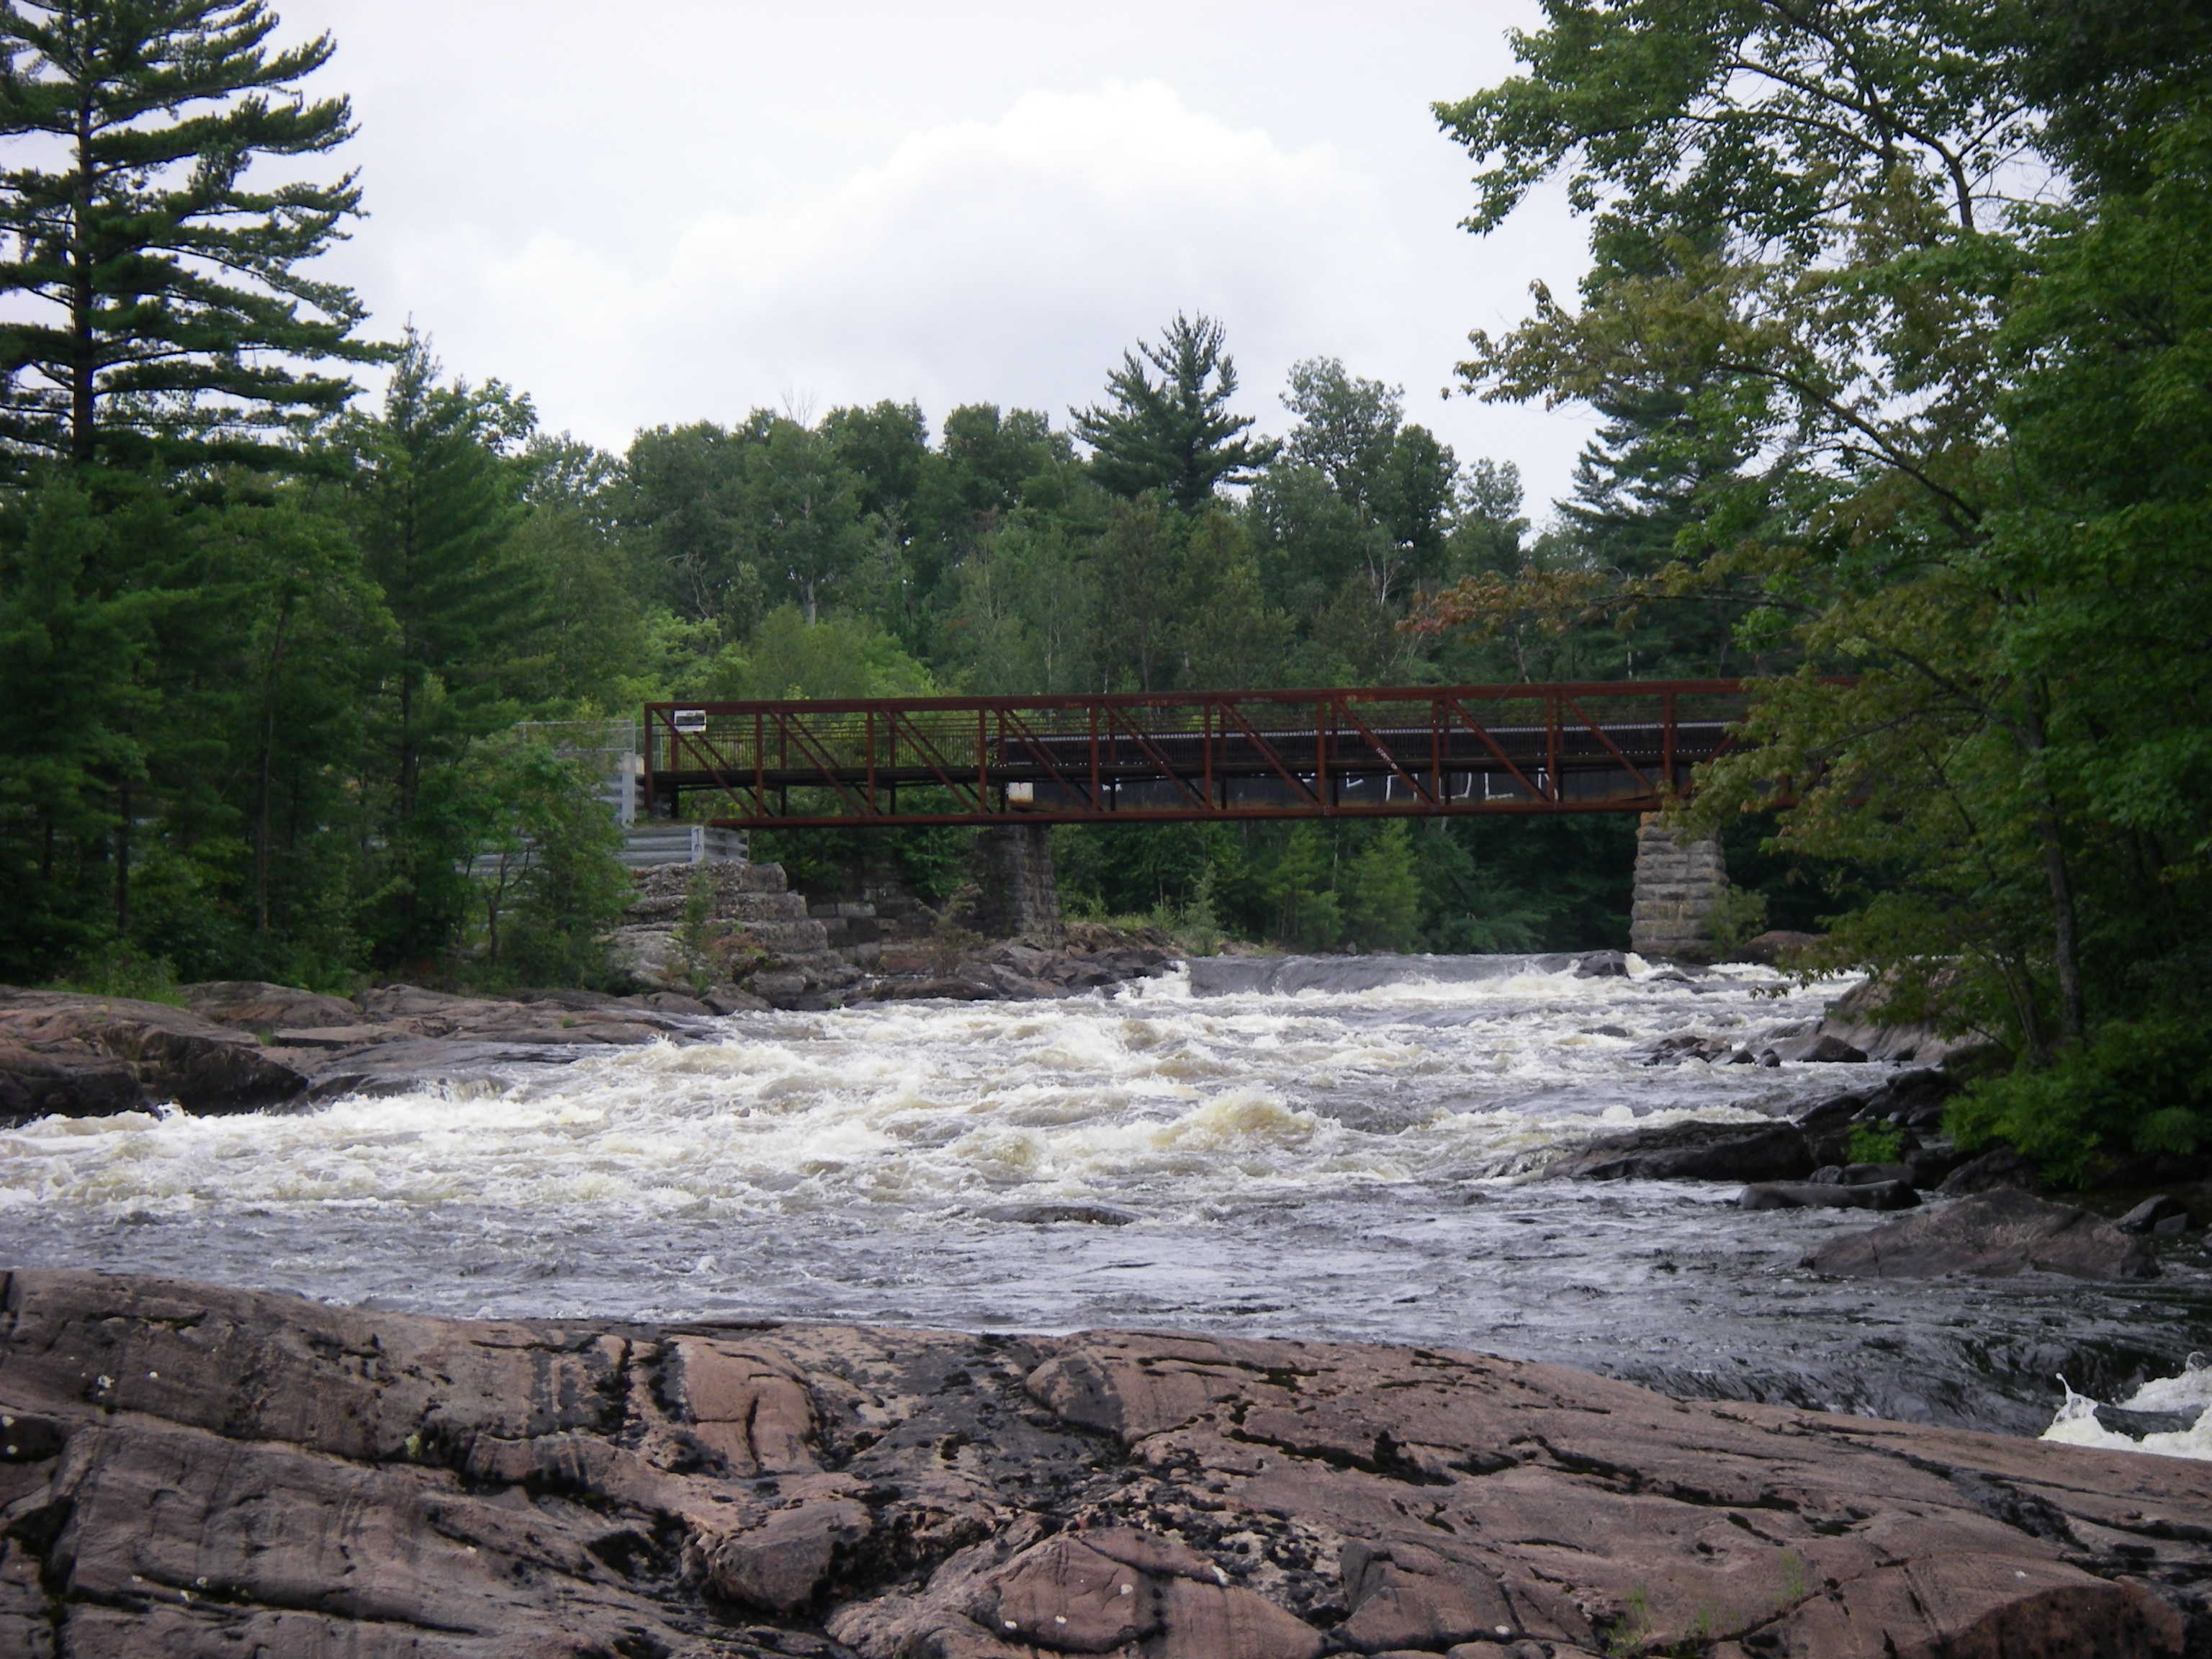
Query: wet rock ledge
x,y
196,1471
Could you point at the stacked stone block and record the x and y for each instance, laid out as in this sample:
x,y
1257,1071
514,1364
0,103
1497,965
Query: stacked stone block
x,y
1016,894
754,903
1679,884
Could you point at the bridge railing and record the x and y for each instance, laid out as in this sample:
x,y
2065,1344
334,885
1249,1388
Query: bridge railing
x,y
1609,745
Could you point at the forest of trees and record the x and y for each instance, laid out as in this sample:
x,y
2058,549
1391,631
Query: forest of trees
x,y
1897,327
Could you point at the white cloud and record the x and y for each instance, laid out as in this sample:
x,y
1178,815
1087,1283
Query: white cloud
x,y
718,207
1009,260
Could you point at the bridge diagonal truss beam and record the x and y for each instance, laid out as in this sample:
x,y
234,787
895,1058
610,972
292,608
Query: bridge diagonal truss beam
x,y
1167,756
1268,752
1152,753
1344,711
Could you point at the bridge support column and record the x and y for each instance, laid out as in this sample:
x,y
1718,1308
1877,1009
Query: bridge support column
x,y
1678,885
1015,894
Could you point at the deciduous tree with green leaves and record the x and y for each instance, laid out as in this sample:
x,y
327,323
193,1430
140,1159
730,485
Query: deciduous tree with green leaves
x,y
1825,229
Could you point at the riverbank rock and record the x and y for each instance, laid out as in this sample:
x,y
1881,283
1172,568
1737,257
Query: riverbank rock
x,y
1821,1048
1999,1167
248,1005
1691,1152
63,1054
193,1471
67,1054
1827,1195
1088,959
1779,947
1992,1236
1855,1020
2164,1216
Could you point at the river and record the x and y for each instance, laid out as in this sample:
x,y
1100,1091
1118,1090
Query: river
x,y
1302,1146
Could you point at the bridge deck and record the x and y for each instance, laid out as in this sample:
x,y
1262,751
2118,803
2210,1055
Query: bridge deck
x,y
1430,750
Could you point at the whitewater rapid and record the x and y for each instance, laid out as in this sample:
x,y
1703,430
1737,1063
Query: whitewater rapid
x,y
1314,1147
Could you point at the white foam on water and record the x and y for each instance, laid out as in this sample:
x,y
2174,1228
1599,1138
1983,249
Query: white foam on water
x,y
2190,1389
1151,1097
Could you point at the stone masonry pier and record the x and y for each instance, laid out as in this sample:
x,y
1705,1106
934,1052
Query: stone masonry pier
x,y
1679,884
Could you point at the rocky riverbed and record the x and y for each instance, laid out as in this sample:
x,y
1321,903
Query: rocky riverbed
x,y
713,1400
193,1470
1335,1148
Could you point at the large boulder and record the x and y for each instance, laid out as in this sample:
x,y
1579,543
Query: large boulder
x,y
1999,1167
1779,947
51,1081
197,1471
1827,1195
2164,1216
1821,1048
1691,1152
1861,1019
1992,1236
71,1055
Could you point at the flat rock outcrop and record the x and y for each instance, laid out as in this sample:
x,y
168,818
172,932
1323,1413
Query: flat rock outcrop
x,y
194,1471
1993,1235
253,1005
66,1055
1858,1020
1017,970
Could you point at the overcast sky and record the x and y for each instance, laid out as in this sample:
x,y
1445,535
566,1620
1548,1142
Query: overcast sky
x,y
682,210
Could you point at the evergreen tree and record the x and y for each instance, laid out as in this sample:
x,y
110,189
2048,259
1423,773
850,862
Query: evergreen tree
x,y
1174,434
1232,637
160,301
1303,888
1143,567
1383,892
71,651
438,502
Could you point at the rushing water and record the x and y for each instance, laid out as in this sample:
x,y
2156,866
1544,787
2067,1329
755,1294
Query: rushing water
x,y
1307,1147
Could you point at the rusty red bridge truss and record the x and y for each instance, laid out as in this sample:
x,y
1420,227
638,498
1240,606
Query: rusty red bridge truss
x,y
1611,746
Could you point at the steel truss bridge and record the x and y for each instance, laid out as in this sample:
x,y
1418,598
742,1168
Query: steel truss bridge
x,y
1608,746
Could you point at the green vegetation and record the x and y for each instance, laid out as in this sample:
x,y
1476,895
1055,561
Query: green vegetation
x,y
1874,1143
1896,330
1897,334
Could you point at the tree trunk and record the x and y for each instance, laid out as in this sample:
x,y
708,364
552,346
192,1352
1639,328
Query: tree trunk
x,y
2065,926
123,861
83,370
268,744
2065,931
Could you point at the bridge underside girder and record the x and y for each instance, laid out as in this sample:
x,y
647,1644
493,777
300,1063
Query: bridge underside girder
x,y
1416,752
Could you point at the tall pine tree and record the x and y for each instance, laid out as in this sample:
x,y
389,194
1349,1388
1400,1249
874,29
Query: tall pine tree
x,y
1174,434
158,299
